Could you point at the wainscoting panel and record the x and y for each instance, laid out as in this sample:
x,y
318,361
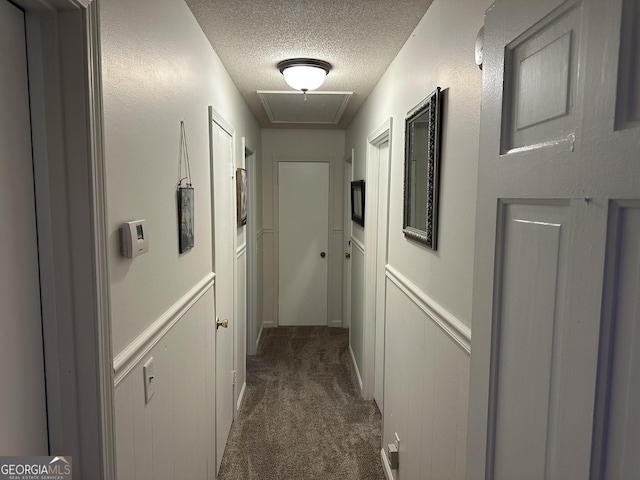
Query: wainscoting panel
x,y
268,280
356,333
168,437
426,386
240,327
335,280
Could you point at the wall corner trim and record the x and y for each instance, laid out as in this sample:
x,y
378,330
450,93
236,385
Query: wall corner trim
x,y
241,396
355,368
385,464
454,328
126,360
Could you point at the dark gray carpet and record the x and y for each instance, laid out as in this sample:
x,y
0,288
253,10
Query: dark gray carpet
x,y
303,417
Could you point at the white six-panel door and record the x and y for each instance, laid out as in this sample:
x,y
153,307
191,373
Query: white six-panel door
x,y
23,416
554,390
303,205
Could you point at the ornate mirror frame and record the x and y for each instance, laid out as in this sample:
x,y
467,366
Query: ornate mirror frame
x,y
428,154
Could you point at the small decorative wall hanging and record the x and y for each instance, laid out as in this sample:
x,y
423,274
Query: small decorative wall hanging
x,y
422,171
241,196
357,202
185,197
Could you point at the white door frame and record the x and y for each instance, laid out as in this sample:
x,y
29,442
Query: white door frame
x,y
68,155
276,232
375,139
348,231
252,248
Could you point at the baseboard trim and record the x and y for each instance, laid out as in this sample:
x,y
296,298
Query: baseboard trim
x,y
355,367
241,396
335,324
449,324
126,360
259,336
268,324
242,249
385,465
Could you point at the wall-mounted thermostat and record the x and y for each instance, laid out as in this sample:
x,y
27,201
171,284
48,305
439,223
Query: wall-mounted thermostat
x,y
133,238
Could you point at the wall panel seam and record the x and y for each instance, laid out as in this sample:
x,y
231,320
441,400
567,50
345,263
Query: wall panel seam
x,y
448,323
126,360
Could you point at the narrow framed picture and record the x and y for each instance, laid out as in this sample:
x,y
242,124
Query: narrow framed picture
x,y
185,219
241,196
357,202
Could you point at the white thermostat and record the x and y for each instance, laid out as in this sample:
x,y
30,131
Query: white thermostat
x,y
133,238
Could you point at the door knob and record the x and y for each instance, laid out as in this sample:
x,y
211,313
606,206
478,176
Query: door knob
x,y
322,254
222,323
347,255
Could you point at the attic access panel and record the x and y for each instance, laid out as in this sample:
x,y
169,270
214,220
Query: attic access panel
x,y
292,106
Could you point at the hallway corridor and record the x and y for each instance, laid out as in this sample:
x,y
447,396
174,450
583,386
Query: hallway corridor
x,y
303,416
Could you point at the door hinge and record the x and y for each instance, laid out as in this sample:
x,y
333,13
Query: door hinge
x,y
234,375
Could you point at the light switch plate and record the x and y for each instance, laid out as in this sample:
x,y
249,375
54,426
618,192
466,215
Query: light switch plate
x,y
149,380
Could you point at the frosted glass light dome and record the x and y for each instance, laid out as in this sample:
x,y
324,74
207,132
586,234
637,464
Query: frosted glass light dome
x,y
304,73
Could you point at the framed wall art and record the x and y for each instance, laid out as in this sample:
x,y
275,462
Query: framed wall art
x,y
241,196
422,171
357,201
185,218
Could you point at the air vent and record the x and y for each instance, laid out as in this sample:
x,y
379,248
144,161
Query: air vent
x,y
292,107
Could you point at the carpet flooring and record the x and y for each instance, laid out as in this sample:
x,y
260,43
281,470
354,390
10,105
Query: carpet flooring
x,y
302,417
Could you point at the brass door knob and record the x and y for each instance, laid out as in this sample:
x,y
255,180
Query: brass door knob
x,y
222,323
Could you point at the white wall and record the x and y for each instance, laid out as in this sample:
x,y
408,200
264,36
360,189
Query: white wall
x,y
302,145
428,319
158,69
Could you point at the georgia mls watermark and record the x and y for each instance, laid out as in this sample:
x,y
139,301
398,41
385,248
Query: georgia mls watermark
x,y
35,468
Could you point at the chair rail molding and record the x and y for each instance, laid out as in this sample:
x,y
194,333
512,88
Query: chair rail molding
x,y
448,323
126,360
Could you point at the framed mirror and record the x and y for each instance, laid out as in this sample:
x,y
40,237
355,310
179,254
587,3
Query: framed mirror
x,y
421,171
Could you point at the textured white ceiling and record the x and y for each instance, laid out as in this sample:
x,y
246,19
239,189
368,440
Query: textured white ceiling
x,y
359,38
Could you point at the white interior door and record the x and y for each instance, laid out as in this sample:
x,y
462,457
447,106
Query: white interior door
x,y
381,283
23,422
303,205
224,255
557,253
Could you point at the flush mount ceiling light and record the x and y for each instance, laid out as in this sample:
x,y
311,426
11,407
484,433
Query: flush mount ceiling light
x,y
304,73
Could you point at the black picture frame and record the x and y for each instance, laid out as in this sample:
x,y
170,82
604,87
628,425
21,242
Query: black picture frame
x,y
422,170
241,197
357,201
185,219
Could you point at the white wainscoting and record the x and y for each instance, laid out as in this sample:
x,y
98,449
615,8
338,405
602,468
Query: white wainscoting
x,y
172,432
336,277
269,279
126,360
426,391
240,325
356,330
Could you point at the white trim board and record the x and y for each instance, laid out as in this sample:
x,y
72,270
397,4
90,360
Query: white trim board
x,y
241,396
355,367
259,336
126,360
358,244
448,323
385,465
